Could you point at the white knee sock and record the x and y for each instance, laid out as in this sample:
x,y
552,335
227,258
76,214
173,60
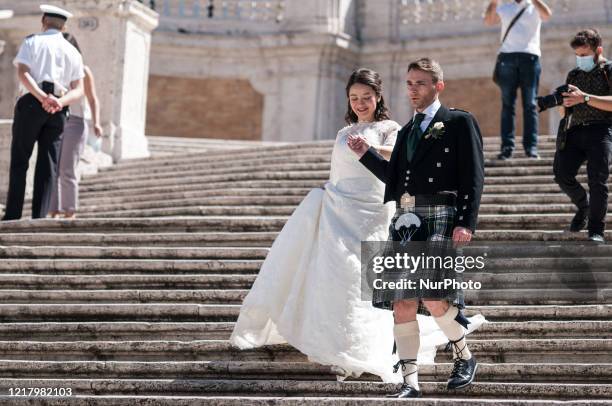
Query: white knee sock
x,y
454,332
408,342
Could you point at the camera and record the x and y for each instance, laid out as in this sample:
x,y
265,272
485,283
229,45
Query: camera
x,y
552,100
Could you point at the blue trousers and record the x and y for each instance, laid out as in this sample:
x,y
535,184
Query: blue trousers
x,y
519,71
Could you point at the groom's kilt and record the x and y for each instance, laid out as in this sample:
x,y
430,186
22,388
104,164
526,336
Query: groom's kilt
x,y
437,223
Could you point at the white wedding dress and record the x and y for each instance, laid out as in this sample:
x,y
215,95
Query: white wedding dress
x,y
308,291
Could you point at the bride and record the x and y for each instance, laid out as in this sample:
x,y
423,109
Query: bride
x,y
308,291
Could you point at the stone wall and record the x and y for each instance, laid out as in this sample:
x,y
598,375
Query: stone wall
x,y
298,55
482,97
204,108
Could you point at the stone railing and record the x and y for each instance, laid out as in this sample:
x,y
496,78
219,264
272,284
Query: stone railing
x,y
221,16
438,18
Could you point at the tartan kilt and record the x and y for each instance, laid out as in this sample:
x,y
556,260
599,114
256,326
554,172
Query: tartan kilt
x,y
436,228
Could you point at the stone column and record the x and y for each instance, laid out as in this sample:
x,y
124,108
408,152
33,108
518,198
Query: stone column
x,y
5,132
117,40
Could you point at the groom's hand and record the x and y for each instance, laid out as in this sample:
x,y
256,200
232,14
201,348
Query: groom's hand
x,y
357,144
461,236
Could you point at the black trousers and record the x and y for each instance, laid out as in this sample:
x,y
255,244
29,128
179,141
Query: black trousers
x,y
591,143
32,124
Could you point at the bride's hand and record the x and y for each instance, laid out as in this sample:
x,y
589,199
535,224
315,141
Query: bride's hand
x,y
357,144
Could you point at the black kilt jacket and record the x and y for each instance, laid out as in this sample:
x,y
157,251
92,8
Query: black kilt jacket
x,y
453,161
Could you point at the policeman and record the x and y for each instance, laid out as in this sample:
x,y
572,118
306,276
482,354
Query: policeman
x,y
51,71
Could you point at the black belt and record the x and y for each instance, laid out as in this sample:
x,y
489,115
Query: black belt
x,y
436,199
49,88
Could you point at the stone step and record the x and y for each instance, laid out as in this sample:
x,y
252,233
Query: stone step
x,y
440,399
293,187
247,239
187,189
215,239
128,266
494,294
207,195
233,178
187,331
500,267
312,176
13,285
238,179
134,253
289,150
542,221
507,350
246,197
304,164
282,150
228,310
290,392
207,267
208,167
130,174
154,312
271,210
294,200
487,372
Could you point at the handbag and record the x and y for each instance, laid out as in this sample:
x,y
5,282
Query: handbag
x,y
498,61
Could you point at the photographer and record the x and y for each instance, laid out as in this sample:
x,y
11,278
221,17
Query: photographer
x,y
588,112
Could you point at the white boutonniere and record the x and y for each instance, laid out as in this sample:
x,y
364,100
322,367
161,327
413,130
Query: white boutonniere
x,y
436,131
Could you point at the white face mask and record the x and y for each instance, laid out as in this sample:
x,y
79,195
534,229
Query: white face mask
x,y
585,63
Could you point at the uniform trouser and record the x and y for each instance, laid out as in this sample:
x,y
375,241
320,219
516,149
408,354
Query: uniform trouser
x,y
32,124
592,143
65,194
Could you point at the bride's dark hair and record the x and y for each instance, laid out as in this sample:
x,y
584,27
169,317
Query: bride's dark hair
x,y
370,78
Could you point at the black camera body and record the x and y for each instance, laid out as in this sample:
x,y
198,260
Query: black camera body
x,y
552,100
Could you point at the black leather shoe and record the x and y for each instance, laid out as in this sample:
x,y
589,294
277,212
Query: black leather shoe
x,y
463,373
595,237
406,391
505,154
579,221
532,154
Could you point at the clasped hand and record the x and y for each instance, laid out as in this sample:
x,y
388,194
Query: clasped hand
x,y
357,144
52,104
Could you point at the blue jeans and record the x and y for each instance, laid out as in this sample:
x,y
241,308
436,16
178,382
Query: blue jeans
x,y
519,70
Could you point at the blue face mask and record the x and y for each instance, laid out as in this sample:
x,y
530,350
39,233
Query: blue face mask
x,y
585,63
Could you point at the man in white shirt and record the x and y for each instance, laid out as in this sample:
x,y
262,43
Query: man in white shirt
x,y
519,67
51,70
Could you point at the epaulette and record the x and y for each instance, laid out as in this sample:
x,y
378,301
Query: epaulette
x,y
30,36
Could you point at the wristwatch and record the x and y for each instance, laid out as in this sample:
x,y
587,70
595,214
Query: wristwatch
x,y
586,99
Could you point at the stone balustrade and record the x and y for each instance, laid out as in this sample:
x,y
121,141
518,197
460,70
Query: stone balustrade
x,y
226,16
439,18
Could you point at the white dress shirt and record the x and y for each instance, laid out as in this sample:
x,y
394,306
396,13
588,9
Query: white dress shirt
x,y
51,58
430,113
525,34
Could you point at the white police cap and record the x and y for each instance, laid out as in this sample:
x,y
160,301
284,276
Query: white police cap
x,y
53,11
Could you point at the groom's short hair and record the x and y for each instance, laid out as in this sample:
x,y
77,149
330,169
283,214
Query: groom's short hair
x,y
430,66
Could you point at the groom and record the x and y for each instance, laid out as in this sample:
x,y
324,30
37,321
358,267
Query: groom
x,y
437,166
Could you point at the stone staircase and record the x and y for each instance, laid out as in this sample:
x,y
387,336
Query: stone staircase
x,y
134,301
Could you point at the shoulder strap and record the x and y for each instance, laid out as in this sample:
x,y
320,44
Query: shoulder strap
x,y
514,20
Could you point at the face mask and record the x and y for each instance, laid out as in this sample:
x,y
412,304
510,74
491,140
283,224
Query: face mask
x,y
585,63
